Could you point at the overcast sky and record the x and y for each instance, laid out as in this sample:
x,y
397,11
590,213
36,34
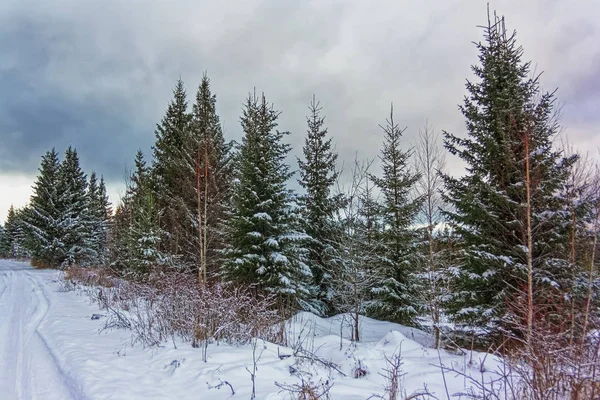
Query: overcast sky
x,y
98,74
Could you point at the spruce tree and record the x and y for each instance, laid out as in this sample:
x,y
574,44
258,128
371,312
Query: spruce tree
x,y
94,220
398,210
318,174
511,185
205,183
14,234
8,243
105,212
264,245
73,224
139,182
98,214
44,213
136,234
117,245
4,243
144,235
170,140
121,248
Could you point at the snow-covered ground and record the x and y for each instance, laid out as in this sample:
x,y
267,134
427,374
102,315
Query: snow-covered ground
x,y
51,348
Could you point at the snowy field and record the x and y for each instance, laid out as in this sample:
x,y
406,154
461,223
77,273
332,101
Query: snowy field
x,y
51,348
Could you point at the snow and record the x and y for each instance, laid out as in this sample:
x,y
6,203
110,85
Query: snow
x,y
30,366
272,243
262,215
278,257
51,348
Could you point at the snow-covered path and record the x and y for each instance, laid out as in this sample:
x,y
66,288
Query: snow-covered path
x,y
28,368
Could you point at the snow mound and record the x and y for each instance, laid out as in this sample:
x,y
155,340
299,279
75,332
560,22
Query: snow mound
x,y
396,340
371,330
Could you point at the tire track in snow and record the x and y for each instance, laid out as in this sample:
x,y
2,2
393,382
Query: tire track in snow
x,y
4,278
73,388
28,369
8,358
14,305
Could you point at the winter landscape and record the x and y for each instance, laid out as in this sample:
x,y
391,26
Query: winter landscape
x,y
297,264
52,348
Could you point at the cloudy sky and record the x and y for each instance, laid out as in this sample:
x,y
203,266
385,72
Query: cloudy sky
x,y
98,74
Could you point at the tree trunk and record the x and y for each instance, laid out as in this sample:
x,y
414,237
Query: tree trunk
x,y
356,330
199,215
205,228
588,299
529,244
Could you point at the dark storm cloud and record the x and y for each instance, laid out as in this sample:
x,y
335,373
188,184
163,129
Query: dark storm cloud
x,y
98,75
38,112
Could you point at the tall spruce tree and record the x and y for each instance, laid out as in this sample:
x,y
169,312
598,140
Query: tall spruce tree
x,y
397,239
205,183
510,189
167,166
318,174
73,224
98,214
43,216
94,220
264,245
105,212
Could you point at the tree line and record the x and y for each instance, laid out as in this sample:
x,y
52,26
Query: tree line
x,y
67,219
408,243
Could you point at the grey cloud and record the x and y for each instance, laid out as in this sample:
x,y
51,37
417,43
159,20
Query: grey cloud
x,y
98,75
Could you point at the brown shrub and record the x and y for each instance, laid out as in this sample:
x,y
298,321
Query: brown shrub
x,y
562,358
39,264
169,304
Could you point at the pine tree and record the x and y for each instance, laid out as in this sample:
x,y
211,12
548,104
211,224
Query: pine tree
x,y
510,189
73,224
43,216
398,210
170,140
264,246
318,174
